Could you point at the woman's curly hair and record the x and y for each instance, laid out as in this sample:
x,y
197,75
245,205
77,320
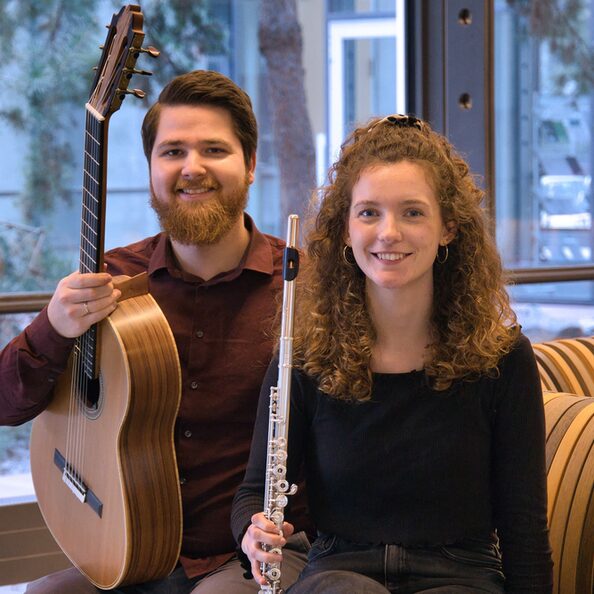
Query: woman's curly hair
x,y
473,324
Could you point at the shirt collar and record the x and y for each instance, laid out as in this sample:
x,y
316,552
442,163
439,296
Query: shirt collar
x,y
257,257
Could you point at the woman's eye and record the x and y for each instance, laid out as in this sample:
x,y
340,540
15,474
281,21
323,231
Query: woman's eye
x,y
414,212
368,212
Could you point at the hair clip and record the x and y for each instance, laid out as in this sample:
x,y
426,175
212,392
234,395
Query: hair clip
x,y
403,121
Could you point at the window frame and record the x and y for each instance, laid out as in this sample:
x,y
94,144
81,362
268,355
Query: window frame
x,y
446,59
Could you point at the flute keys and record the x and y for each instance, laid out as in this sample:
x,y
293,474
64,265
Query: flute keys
x,y
279,470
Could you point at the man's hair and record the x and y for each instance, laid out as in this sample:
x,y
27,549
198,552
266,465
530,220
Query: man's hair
x,y
205,87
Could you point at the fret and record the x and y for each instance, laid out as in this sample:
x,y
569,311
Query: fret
x,y
87,209
93,231
91,137
90,194
92,158
90,257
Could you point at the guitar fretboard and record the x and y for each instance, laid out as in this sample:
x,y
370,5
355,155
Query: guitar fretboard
x,y
92,222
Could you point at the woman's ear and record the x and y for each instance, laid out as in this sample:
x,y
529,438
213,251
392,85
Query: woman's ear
x,y
450,230
346,237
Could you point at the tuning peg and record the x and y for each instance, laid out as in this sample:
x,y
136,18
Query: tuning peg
x,y
131,71
153,52
136,92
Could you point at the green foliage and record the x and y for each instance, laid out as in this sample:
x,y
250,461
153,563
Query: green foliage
x,y
47,50
564,25
25,264
14,446
185,31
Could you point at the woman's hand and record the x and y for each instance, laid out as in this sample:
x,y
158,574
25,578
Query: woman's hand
x,y
80,301
263,531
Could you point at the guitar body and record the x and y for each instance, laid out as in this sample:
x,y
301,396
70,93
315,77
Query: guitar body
x,y
129,528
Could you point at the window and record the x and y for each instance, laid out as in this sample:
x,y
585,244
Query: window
x,y
543,153
41,127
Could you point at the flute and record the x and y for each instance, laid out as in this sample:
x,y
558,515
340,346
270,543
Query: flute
x,y
277,488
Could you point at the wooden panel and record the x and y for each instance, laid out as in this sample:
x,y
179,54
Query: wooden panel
x,y
27,549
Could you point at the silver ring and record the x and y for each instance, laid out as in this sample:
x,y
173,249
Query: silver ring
x,y
86,306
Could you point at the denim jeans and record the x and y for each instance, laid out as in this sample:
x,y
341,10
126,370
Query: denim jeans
x,y
336,566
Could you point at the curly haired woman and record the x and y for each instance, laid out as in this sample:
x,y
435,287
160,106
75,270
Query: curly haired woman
x,y
416,409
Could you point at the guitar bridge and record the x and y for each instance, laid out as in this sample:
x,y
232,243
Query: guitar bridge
x,y
76,485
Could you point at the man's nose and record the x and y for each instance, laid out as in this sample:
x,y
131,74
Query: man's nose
x,y
193,165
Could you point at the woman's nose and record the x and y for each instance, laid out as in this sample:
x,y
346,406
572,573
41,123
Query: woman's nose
x,y
390,230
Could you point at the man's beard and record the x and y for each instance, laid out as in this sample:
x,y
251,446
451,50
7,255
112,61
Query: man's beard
x,y
201,223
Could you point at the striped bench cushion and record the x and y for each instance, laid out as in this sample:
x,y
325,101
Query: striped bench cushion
x,y
566,365
570,480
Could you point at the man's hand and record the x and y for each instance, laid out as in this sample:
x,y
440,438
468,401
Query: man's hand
x,y
80,301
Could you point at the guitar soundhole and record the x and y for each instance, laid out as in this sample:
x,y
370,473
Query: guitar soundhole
x,y
92,397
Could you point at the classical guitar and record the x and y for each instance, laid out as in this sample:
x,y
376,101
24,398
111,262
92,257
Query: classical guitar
x,y
102,453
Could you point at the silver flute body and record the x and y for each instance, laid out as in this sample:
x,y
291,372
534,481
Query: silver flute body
x,y
277,488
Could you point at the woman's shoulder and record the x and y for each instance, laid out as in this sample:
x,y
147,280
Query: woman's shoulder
x,y
521,350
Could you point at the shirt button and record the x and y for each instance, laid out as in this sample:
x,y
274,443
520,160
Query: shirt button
x,y
194,385
182,480
199,333
188,433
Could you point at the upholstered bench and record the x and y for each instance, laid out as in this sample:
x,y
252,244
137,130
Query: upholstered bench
x,y
570,480
567,365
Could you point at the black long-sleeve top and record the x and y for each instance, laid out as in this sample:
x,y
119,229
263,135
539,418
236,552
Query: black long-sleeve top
x,y
417,466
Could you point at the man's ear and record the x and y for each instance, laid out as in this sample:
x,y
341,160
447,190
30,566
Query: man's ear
x,y
251,169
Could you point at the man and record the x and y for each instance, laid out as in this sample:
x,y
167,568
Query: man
x,y
217,279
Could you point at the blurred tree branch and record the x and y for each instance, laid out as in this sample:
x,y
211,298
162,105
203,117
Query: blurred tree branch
x,y
281,44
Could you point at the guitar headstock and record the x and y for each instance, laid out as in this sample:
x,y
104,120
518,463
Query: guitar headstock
x,y
122,47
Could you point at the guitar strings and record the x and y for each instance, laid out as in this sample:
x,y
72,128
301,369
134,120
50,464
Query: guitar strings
x,y
84,349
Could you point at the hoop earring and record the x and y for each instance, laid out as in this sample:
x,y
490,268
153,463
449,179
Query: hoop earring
x,y
446,255
345,256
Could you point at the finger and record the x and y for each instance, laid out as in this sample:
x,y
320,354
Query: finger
x,y
98,316
272,539
288,529
97,310
99,303
257,573
79,280
103,294
261,521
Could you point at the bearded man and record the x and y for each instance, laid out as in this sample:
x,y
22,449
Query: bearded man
x,y
216,278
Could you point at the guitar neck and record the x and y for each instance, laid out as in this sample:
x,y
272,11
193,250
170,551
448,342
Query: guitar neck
x,y
92,229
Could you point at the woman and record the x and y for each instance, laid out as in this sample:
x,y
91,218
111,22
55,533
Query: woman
x,y
416,407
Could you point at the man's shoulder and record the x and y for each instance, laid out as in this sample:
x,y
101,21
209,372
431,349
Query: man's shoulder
x,y
277,245
274,241
132,258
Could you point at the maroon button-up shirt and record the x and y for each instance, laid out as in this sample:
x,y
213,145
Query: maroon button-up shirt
x,y
223,330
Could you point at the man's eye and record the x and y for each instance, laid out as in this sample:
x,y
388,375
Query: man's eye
x,y
215,150
171,153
